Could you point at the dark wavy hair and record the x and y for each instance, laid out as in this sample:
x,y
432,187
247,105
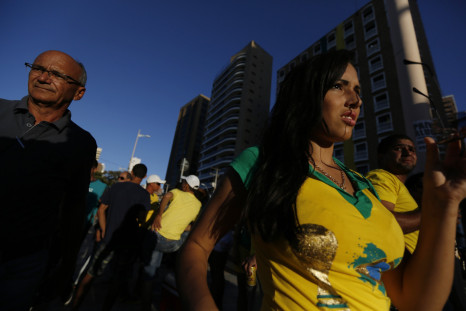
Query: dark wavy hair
x,y
284,154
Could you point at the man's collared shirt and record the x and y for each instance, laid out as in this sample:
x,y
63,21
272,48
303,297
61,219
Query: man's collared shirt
x,y
43,168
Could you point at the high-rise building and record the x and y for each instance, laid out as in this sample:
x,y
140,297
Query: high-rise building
x,y
384,36
187,141
238,110
449,105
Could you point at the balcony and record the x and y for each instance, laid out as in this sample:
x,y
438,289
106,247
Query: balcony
x,y
233,120
384,127
208,138
229,102
216,153
217,163
359,133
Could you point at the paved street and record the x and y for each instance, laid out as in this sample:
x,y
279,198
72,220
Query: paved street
x,y
163,299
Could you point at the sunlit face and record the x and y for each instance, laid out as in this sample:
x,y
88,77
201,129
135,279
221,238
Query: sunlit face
x,y
340,109
401,158
50,91
155,187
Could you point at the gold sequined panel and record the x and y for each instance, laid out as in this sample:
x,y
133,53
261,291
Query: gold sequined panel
x,y
316,247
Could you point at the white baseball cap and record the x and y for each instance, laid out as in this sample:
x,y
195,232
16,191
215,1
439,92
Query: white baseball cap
x,y
192,181
155,179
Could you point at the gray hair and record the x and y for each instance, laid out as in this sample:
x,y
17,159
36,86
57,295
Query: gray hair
x,y
83,77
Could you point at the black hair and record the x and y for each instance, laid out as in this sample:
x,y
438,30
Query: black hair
x,y
388,142
284,153
140,170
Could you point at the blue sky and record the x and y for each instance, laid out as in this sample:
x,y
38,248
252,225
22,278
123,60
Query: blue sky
x,y
146,59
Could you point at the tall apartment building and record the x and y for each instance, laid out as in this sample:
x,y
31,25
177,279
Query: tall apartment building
x,y
187,141
238,110
382,35
450,108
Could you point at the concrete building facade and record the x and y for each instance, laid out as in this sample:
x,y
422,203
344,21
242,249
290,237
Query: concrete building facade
x,y
384,35
187,141
237,112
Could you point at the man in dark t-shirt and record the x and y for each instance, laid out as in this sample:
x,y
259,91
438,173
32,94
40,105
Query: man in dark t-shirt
x,y
121,208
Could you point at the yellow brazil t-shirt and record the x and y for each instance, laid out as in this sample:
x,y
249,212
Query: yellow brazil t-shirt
x,y
391,189
182,210
341,252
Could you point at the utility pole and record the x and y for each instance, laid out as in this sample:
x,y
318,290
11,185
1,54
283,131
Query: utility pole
x,y
134,148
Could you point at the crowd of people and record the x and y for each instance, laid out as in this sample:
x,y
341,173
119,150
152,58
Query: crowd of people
x,y
69,227
319,234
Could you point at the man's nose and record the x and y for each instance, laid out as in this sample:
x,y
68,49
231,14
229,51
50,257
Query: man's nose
x,y
406,151
44,77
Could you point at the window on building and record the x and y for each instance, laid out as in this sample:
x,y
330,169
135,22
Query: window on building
x,y
384,123
350,43
359,130
378,82
360,151
317,49
373,47
381,101
375,63
370,30
367,14
348,28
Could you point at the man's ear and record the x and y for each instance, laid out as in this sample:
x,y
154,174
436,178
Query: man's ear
x,y
79,93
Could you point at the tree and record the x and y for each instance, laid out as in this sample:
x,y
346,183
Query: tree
x,y
108,177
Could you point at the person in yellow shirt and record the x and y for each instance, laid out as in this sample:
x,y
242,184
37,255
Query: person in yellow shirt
x,y
178,209
397,159
323,240
154,187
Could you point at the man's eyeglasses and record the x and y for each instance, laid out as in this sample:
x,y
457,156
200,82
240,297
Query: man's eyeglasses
x,y
121,178
36,69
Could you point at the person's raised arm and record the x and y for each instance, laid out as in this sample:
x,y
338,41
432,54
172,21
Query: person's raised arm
x,y
423,280
221,213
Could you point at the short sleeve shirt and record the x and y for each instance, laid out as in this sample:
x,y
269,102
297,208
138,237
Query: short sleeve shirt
x,y
341,252
183,209
120,198
392,190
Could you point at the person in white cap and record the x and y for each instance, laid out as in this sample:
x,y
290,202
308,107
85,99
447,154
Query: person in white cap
x,y
168,229
154,187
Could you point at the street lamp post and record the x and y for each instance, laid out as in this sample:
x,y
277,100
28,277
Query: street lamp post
x,y
134,148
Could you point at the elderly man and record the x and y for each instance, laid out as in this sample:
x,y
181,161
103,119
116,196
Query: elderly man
x,y
45,160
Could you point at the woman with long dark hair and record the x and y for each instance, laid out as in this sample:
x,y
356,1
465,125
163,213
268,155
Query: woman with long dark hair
x,y
322,238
